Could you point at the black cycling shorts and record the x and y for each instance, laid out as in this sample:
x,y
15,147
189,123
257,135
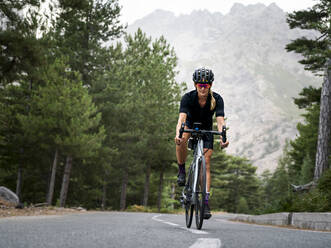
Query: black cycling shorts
x,y
208,139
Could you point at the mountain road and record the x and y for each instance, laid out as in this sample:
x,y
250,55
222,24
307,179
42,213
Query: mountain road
x,y
124,229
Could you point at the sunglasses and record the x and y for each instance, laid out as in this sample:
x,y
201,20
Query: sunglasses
x,y
207,86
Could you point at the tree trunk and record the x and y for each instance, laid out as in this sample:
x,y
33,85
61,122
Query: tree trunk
x,y
125,179
159,198
52,182
324,129
65,182
104,193
146,188
19,182
19,176
104,190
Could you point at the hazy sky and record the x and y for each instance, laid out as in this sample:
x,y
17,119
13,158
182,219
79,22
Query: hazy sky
x,y
136,9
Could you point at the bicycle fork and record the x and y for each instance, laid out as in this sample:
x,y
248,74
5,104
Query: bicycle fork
x,y
197,169
198,157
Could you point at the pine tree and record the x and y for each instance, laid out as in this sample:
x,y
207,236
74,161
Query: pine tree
x,y
13,154
81,30
63,113
305,144
20,50
317,54
21,56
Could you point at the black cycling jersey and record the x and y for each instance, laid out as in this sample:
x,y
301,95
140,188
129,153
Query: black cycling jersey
x,y
190,105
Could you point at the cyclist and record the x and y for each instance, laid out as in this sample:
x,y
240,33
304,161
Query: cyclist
x,y
199,105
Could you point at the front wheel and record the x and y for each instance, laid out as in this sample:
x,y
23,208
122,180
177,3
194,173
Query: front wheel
x,y
200,194
189,208
189,205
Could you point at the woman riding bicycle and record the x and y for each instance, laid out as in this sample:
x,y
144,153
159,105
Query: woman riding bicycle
x,y
199,105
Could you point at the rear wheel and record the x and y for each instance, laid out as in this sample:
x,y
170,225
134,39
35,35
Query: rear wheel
x,y
200,194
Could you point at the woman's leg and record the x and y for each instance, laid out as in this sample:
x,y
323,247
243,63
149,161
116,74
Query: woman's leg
x,y
208,153
181,150
181,153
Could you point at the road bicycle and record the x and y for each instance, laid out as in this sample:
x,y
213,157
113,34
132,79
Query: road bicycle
x,y
194,192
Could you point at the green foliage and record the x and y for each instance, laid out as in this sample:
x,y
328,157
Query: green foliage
x,y
242,205
308,97
277,193
21,58
144,106
316,200
314,51
234,182
20,51
324,187
62,112
139,208
275,190
81,28
303,148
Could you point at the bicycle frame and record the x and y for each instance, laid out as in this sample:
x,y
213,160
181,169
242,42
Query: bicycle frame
x,y
198,154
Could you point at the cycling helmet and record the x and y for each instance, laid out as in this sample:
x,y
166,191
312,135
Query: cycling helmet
x,y
203,75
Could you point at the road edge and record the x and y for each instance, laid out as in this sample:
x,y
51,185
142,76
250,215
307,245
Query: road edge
x,y
310,221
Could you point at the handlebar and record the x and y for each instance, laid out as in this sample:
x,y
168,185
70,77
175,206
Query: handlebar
x,y
224,134
199,131
181,130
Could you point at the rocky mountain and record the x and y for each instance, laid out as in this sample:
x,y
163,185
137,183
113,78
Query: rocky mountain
x,y
253,72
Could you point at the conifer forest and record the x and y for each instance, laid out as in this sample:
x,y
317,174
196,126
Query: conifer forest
x,y
88,115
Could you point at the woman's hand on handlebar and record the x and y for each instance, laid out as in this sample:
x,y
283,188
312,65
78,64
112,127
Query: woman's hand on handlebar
x,y
224,145
178,140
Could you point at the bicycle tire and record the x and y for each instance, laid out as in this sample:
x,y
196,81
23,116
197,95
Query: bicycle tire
x,y
189,206
189,209
200,194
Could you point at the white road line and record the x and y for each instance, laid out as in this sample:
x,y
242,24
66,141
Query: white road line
x,y
169,223
207,243
156,218
194,231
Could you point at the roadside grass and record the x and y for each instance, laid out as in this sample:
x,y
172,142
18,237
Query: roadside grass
x,y
53,210
139,208
35,211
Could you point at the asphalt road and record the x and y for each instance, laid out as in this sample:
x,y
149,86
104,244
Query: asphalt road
x,y
121,229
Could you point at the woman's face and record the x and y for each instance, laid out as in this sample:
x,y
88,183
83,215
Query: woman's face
x,y
203,89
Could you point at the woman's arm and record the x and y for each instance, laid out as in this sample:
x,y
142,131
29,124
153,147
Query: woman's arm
x,y
220,123
181,119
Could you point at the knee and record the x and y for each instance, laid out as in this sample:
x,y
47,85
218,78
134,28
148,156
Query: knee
x,y
182,146
184,143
